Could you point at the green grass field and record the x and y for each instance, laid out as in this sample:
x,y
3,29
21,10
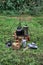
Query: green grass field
x,y
8,56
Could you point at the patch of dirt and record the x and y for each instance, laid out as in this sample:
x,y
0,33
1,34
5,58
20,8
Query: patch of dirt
x,y
24,18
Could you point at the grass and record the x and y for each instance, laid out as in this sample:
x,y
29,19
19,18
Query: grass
x,y
8,56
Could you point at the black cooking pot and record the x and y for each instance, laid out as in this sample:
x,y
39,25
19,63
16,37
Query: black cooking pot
x,y
20,32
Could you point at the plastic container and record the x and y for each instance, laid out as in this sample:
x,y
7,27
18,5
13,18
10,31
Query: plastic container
x,y
24,43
